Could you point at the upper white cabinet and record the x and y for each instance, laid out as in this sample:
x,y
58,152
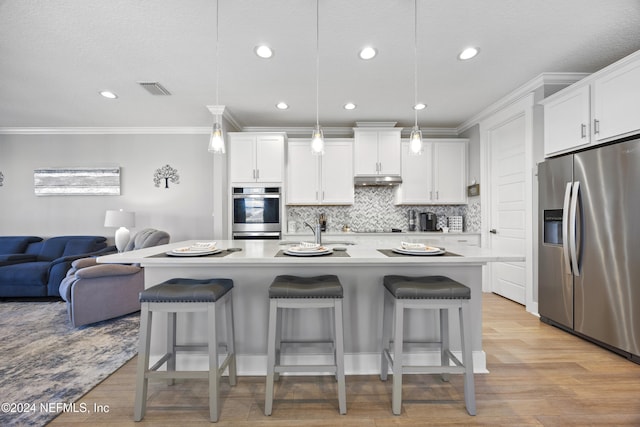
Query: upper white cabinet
x,y
320,180
566,121
256,157
617,102
438,176
377,151
595,110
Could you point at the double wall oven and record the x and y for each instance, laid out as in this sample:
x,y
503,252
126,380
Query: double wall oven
x,y
256,213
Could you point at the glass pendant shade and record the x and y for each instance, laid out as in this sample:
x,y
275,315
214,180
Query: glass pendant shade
x,y
415,141
317,141
216,143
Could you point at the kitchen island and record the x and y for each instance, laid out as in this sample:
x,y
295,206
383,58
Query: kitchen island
x,y
360,269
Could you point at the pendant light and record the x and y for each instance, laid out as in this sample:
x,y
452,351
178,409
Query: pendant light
x,y
415,139
317,138
216,141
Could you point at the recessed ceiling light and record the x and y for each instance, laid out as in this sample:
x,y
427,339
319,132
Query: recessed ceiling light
x,y
108,94
349,106
368,53
420,106
468,53
282,106
264,51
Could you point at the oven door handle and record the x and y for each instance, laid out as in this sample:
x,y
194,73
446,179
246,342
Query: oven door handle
x,y
256,196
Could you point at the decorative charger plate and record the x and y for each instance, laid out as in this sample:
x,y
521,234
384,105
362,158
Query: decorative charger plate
x,y
305,251
428,250
191,251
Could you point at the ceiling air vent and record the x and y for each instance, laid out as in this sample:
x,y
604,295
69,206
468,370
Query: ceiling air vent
x,y
154,88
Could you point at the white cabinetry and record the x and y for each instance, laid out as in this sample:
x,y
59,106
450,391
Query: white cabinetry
x,y
595,110
438,176
617,102
320,180
256,157
566,121
377,151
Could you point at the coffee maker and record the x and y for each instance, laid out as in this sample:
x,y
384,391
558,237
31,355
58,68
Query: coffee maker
x,y
428,221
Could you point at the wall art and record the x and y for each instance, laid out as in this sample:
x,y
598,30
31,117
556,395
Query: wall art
x,y
166,173
77,181
1,179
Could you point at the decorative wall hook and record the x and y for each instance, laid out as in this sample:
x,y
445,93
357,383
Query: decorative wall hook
x,y
168,174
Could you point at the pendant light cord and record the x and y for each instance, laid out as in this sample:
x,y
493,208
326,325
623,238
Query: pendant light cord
x,y
415,61
217,56
317,62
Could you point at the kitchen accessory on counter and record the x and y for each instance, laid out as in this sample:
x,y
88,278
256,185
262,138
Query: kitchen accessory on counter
x,y
306,251
323,222
412,220
425,250
455,224
428,221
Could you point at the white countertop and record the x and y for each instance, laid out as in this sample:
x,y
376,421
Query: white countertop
x,y
263,252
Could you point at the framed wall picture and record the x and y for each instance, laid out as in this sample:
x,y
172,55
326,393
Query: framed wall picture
x,y
473,190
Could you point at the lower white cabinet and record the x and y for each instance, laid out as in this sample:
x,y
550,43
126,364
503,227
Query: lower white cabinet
x,y
437,176
320,180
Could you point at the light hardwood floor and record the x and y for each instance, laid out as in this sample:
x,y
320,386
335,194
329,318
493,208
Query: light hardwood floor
x,y
539,375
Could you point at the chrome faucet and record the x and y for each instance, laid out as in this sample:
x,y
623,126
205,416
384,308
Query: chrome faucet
x,y
316,232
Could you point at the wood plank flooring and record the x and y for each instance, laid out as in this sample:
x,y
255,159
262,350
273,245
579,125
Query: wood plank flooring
x,y
539,376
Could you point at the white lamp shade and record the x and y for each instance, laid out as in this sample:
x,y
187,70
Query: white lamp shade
x,y
119,218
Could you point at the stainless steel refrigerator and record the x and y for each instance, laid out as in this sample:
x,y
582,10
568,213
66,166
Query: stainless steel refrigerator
x,y
589,251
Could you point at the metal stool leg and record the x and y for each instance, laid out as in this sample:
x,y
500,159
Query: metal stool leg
x,y
339,356
467,358
386,335
271,355
397,357
142,382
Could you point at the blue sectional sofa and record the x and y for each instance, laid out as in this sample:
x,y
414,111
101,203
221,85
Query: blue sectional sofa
x,y
31,266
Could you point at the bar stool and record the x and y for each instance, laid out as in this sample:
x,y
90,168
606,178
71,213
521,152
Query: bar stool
x,y
295,292
179,296
428,292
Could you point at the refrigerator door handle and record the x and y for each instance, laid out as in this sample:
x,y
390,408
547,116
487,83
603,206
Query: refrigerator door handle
x,y
565,227
573,238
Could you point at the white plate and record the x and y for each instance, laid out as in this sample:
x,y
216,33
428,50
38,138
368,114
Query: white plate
x,y
427,251
189,251
297,251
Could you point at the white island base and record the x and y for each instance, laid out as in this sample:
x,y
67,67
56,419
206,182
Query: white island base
x,y
254,267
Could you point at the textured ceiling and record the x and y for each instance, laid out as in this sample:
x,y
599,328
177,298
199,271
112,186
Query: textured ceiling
x,y
57,55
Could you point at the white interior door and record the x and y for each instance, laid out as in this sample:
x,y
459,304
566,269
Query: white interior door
x,y
507,217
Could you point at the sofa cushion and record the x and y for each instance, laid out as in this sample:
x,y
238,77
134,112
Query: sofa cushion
x,y
24,279
60,246
16,244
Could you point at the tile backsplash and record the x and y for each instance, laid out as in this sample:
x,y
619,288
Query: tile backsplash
x,y
374,209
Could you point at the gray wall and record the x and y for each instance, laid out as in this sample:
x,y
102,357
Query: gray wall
x,y
184,210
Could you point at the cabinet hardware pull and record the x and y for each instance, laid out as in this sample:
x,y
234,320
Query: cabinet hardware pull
x,y
596,126
254,174
493,231
437,195
257,173
583,130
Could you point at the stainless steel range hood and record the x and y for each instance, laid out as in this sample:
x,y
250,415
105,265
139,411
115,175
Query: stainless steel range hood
x,y
376,180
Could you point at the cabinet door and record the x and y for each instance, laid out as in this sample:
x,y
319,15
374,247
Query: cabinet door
x,y
269,158
566,122
617,102
450,172
337,173
302,174
389,152
365,153
242,158
417,176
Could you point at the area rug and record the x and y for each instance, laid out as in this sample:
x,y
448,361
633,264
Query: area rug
x,y
46,364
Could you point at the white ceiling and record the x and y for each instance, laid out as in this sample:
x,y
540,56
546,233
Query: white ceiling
x,y
55,56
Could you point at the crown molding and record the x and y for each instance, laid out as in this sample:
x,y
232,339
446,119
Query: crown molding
x,y
196,130
544,79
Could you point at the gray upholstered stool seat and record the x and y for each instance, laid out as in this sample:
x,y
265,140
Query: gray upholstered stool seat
x,y
294,292
186,295
429,287
426,292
